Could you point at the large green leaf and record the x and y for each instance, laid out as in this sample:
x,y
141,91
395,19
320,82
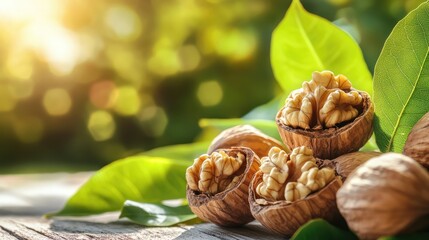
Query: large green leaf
x,y
401,80
268,127
152,214
139,178
267,111
303,43
321,229
181,151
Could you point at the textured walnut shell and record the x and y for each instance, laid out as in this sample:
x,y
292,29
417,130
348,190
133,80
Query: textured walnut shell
x,y
347,163
245,136
284,217
417,144
332,142
387,195
230,207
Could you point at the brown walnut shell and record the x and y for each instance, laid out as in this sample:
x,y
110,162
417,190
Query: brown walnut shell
x,y
284,217
347,163
245,136
229,207
335,141
385,196
417,144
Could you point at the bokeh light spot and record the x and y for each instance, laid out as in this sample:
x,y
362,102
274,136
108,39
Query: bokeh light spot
x,y
126,101
57,102
190,57
101,125
237,44
164,62
125,61
210,93
153,120
124,23
100,93
28,129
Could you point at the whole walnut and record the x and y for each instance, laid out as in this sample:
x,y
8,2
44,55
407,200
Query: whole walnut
x,y
385,196
327,115
417,144
245,136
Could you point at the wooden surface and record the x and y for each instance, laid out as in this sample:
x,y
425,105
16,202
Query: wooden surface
x,y
25,198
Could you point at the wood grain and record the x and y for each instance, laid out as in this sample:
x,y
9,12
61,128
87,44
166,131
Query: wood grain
x,y
24,198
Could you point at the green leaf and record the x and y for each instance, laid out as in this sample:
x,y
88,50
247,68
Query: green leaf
x,y
186,152
303,43
401,80
371,145
267,111
321,229
150,214
268,127
139,178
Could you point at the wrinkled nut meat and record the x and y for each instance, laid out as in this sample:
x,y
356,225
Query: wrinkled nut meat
x,y
417,144
217,186
385,196
245,136
291,189
327,115
213,173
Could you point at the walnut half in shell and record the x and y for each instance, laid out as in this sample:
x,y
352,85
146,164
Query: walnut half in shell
x,y
328,115
291,189
218,184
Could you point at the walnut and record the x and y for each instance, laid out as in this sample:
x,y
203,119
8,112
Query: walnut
x,y
217,185
290,189
386,196
328,115
417,144
245,136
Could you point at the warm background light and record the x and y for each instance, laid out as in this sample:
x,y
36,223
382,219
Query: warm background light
x,y
83,83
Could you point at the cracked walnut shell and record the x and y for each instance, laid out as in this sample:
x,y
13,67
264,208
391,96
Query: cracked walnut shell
x,y
327,115
217,185
291,189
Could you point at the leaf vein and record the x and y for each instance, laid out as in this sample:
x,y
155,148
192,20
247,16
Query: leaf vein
x,y
389,146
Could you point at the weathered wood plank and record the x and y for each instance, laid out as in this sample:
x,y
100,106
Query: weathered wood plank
x,y
24,228
24,198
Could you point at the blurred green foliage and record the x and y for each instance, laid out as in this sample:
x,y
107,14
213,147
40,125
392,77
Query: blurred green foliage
x,y
84,83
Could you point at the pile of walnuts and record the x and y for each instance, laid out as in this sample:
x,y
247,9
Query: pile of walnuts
x,y
317,173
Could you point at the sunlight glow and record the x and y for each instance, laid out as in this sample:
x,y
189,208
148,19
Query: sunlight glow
x,y
25,10
54,43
